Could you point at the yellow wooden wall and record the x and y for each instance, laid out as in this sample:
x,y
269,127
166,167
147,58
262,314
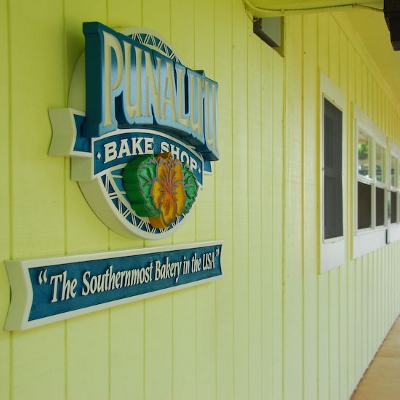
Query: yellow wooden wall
x,y
272,328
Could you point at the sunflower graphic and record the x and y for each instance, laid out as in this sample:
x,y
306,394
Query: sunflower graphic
x,y
160,188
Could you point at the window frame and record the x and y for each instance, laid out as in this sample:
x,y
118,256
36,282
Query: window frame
x,y
332,251
367,240
393,233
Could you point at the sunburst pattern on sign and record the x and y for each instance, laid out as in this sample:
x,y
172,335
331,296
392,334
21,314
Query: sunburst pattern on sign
x,y
155,43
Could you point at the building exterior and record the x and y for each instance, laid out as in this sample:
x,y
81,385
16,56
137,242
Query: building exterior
x,y
289,319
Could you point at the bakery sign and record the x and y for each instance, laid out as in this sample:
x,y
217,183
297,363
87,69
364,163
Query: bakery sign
x,y
140,128
54,289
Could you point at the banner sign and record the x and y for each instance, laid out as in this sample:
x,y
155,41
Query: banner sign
x,y
50,290
140,128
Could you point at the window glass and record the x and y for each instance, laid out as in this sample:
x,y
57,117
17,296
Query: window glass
x,y
364,206
395,188
393,207
393,167
380,206
379,163
363,154
398,175
333,207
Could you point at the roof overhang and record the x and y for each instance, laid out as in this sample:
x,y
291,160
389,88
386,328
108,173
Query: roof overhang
x,y
377,23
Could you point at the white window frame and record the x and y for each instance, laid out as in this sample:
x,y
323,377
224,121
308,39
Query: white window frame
x,y
332,251
369,239
393,233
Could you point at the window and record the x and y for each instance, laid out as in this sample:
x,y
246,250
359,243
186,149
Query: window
x,y
394,189
364,191
371,191
333,190
331,176
393,233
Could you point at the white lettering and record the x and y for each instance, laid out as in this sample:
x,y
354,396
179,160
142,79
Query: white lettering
x,y
85,290
110,152
185,158
67,287
148,145
179,155
164,147
124,149
55,279
110,280
136,148
193,164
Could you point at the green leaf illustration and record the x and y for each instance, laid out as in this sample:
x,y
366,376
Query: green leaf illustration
x,y
138,177
191,188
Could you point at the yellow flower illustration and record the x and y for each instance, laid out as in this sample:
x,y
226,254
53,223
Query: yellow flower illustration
x,y
168,191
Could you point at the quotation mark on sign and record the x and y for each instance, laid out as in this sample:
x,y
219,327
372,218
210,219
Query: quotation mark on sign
x,y
42,276
217,252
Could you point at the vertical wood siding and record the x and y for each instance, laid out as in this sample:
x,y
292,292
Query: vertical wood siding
x,y
272,328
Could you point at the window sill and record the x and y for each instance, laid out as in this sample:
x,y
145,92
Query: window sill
x,y
332,254
394,233
367,241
